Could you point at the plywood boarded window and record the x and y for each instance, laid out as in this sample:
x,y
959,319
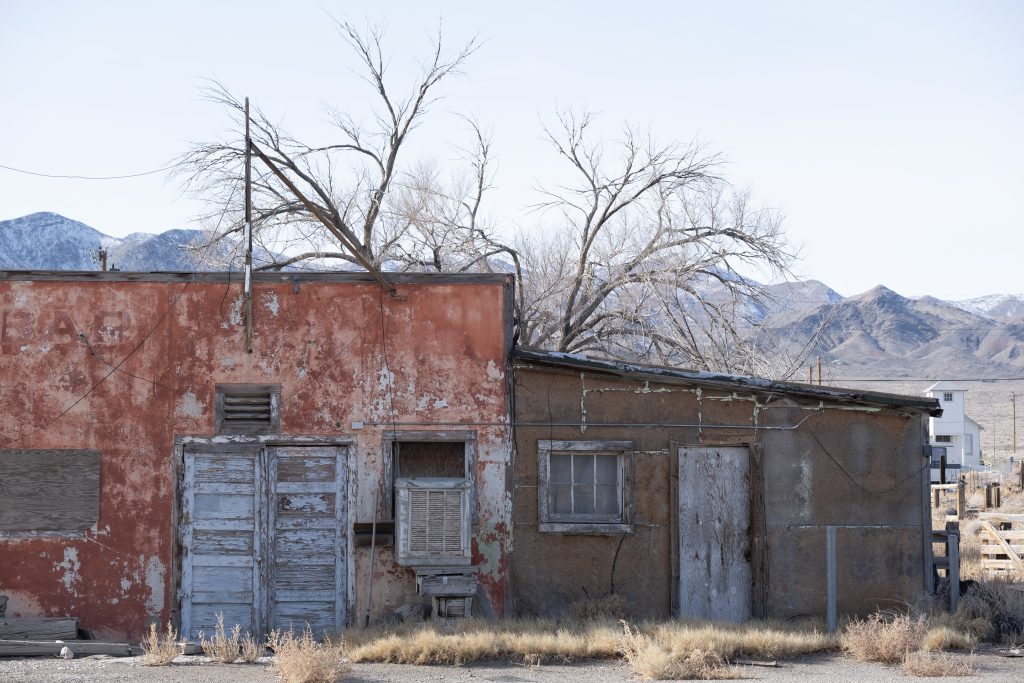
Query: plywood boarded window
x,y
248,408
585,486
49,492
429,459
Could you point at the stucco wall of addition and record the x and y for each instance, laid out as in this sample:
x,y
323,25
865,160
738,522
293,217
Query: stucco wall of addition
x,y
859,469
124,366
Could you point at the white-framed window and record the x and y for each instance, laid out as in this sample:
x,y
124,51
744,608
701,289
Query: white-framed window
x,y
943,438
947,397
585,487
968,444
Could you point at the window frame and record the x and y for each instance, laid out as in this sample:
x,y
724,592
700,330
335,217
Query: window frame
x,y
947,397
589,523
944,438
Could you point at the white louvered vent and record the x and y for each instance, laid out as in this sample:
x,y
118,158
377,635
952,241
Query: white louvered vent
x,y
433,525
247,409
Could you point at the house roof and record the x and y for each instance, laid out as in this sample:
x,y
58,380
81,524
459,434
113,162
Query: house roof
x,y
718,380
945,385
974,422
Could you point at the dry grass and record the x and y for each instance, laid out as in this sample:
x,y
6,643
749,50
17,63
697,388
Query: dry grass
x,y
651,660
993,611
613,607
157,651
222,647
758,639
943,638
250,649
885,638
301,659
932,665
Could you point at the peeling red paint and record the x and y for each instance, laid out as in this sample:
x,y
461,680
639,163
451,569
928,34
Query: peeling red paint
x,y
171,342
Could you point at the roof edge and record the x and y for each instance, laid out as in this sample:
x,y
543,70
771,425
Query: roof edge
x,y
725,381
358,277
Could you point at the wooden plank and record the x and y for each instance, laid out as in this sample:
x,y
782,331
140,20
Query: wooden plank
x,y
447,585
51,648
39,628
1010,552
997,549
714,535
1001,517
49,490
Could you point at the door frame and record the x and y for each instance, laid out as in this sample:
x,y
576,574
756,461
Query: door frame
x,y
209,441
757,545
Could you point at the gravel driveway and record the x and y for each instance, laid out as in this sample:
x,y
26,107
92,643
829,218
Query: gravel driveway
x,y
830,668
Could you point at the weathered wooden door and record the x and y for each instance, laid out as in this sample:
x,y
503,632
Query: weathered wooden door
x,y
714,533
264,538
221,538
307,538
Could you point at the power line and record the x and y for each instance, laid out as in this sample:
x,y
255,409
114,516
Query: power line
x,y
88,177
924,379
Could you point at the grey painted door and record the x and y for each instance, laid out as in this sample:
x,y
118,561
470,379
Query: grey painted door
x,y
714,533
264,538
222,520
307,538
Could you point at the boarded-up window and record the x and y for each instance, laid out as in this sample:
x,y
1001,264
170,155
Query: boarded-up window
x,y
54,491
430,459
585,486
248,408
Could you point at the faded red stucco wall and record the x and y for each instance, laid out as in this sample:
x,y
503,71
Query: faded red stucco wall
x,y
322,338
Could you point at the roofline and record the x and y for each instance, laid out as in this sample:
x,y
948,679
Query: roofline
x,y
357,277
668,375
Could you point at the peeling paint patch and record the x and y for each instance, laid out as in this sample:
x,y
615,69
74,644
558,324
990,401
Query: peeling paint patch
x,y
493,371
155,582
271,303
69,569
440,403
189,406
803,489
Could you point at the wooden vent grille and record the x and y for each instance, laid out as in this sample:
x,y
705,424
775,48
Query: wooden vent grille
x,y
243,410
435,521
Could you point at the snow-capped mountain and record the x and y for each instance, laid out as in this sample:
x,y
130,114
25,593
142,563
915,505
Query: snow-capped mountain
x,y
1002,307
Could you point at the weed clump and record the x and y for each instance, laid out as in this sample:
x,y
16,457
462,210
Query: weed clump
x,y
157,651
301,659
935,665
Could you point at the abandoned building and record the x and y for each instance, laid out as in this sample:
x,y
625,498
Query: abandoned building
x,y
701,495
153,468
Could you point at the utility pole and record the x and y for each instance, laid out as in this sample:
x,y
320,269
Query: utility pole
x,y
248,232
819,371
1013,405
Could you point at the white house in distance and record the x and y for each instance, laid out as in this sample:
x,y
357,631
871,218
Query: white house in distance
x,y
955,430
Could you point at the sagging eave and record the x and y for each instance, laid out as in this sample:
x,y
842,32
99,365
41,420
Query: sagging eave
x,y
524,357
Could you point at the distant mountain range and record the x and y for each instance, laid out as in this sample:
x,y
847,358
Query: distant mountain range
x,y
878,333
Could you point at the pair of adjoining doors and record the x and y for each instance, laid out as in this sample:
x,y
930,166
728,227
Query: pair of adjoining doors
x,y
263,537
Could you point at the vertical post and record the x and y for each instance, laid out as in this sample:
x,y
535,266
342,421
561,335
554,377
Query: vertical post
x,y
942,469
831,617
935,498
988,496
103,259
997,498
1013,405
961,499
810,374
248,232
953,572
819,371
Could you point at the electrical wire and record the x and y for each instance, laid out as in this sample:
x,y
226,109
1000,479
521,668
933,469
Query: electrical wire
x,y
88,177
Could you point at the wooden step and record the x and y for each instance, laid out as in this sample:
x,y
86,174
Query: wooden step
x,y
52,648
39,628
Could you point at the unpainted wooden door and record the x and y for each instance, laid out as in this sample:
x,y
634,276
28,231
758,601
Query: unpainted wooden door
x,y
264,538
715,578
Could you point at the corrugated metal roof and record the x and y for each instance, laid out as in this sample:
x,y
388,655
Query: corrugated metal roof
x,y
658,373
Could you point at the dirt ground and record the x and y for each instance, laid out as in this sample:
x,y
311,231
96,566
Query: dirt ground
x,y
987,666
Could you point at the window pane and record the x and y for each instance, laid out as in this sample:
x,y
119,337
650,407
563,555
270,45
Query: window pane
x,y
560,499
582,469
583,499
607,502
607,469
561,468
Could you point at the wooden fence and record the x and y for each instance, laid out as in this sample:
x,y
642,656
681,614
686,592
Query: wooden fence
x,y
1002,544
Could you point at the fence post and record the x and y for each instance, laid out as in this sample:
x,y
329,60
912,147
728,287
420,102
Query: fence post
x,y
953,554
961,499
935,498
988,496
998,497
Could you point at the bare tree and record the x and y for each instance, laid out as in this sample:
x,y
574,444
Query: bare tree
x,y
350,180
646,254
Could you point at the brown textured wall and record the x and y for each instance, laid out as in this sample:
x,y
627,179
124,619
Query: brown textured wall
x,y
858,468
321,340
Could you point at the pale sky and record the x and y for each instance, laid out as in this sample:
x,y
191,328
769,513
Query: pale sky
x,y
889,133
